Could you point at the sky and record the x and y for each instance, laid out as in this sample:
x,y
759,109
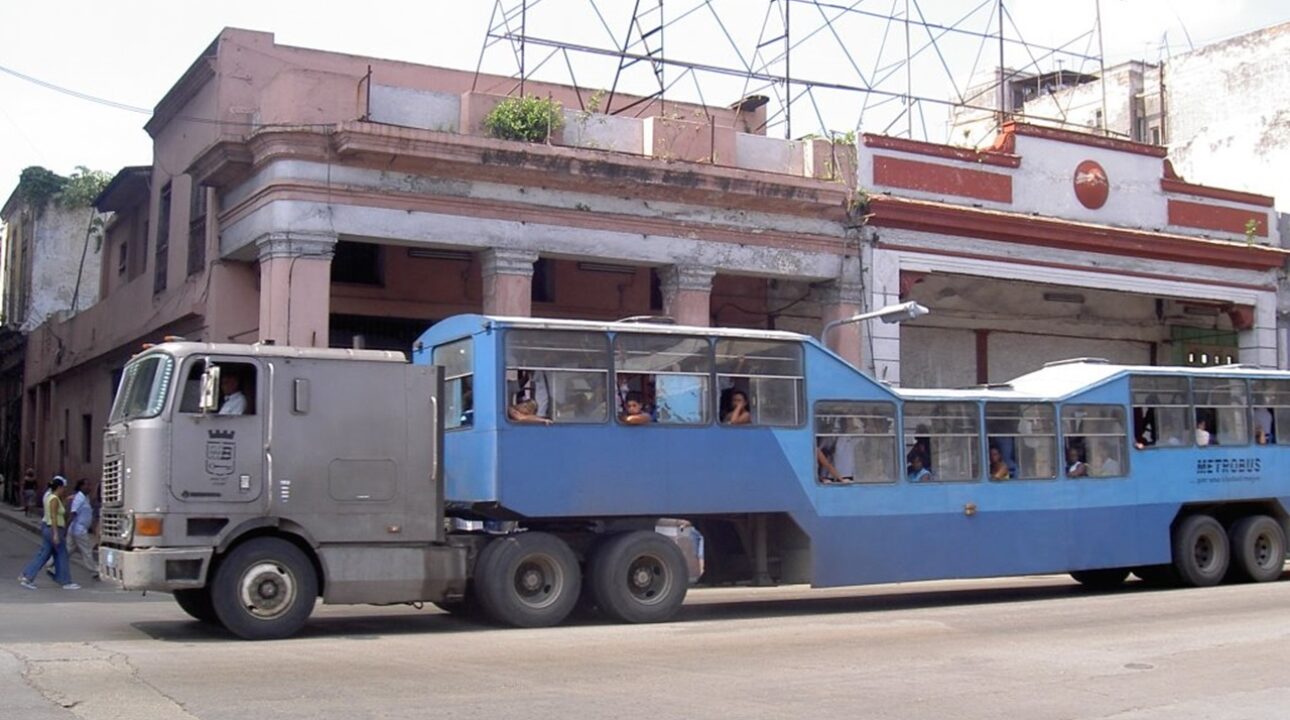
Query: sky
x,y
132,51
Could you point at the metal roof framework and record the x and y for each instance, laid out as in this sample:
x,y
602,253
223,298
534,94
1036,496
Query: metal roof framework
x,y
649,48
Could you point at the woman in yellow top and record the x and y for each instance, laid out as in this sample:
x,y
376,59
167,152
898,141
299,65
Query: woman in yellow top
x,y
53,539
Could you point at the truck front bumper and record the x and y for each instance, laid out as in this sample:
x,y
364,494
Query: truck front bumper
x,y
155,568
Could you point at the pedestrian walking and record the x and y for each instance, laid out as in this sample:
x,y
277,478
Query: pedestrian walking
x,y
79,529
53,539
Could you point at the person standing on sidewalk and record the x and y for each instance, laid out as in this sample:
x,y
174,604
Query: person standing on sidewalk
x,y
53,540
28,492
82,520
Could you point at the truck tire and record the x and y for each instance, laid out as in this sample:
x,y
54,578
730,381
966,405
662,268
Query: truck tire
x,y
1102,578
197,603
264,589
638,577
1200,549
1258,548
529,579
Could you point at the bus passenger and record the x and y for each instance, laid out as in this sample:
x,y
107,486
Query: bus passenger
x,y
998,468
1074,466
634,410
918,473
828,471
737,413
1202,434
1263,426
526,411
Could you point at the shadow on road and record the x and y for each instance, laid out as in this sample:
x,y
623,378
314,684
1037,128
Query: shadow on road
x,y
434,622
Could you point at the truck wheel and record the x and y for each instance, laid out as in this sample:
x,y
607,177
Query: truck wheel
x,y
1258,548
197,603
1200,551
639,577
265,589
1102,578
528,579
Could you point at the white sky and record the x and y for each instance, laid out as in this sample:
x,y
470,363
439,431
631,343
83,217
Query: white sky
x,y
132,52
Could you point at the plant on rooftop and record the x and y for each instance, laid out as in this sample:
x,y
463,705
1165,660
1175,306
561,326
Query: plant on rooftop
x,y
36,186
530,119
82,187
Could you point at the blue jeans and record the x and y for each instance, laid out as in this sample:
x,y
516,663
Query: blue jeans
x,y
62,573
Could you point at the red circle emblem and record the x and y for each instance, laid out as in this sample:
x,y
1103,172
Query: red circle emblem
x,y
1091,185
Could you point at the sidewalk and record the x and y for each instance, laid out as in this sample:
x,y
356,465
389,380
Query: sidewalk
x,y
9,513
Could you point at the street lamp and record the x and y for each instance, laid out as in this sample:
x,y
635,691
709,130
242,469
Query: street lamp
x,y
890,314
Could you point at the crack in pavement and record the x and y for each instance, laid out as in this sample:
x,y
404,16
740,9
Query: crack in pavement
x,y
93,683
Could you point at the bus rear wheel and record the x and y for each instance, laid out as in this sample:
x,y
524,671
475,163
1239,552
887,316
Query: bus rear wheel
x,y
529,579
197,603
1102,578
1200,551
264,589
638,577
1258,548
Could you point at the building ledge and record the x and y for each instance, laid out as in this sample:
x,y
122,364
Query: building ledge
x,y
946,219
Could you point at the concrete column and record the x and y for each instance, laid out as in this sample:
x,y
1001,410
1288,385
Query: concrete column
x,y
687,294
508,281
840,300
295,287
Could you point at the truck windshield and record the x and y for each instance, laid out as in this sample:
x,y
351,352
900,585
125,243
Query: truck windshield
x,y
144,384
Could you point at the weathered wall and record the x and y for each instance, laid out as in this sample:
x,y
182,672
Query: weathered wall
x,y
1229,113
60,240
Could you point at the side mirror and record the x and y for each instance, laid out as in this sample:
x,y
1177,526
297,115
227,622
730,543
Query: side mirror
x,y
210,389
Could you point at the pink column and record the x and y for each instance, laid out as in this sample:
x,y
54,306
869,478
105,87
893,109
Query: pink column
x,y
687,294
295,288
839,301
508,281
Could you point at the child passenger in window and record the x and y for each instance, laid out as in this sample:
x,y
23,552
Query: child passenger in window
x,y
634,410
526,411
737,413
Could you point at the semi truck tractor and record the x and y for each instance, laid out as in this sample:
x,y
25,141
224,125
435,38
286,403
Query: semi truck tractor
x,y
251,480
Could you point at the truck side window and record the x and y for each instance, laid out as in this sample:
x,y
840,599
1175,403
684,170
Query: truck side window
x,y
671,373
458,361
768,374
237,388
564,373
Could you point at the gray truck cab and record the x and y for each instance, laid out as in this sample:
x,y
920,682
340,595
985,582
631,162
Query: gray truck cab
x,y
250,480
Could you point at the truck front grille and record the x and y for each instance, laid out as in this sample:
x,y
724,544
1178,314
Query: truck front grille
x,y
114,527
112,492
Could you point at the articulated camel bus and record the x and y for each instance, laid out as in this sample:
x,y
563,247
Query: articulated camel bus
x,y
1081,467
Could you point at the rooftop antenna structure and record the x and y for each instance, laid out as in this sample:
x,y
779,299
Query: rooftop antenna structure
x,y
826,65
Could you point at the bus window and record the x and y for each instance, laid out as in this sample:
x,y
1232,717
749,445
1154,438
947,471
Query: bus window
x,y
671,373
855,442
769,373
457,359
945,437
1095,438
1024,436
565,373
1221,404
1161,411
1271,400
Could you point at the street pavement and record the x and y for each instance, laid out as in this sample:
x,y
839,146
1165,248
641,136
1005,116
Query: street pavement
x,y
1016,648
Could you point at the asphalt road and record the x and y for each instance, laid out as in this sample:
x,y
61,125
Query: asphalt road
x,y
1013,649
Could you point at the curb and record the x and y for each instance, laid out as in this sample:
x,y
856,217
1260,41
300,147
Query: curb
x,y
18,519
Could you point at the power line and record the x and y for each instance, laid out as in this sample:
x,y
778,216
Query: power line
x,y
73,93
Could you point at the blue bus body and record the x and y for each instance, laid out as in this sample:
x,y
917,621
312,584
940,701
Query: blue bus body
x,y
836,531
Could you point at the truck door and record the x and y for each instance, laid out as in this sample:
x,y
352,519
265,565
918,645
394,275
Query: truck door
x,y
219,455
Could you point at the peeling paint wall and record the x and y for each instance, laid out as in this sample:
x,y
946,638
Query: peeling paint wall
x,y
59,238
1229,113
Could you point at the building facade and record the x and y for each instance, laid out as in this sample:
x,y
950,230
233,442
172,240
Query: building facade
x,y
313,198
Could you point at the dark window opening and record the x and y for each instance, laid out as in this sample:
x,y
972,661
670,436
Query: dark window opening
x,y
375,333
87,438
162,255
358,264
543,285
123,257
197,230
655,290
